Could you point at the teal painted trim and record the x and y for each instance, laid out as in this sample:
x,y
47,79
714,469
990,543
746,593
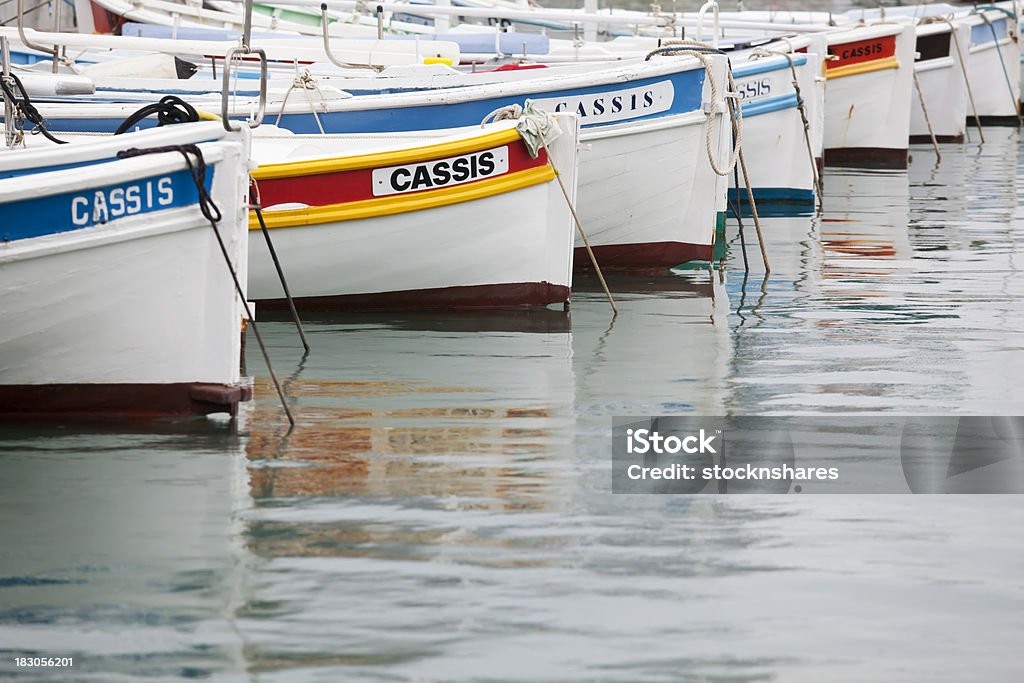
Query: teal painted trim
x,y
765,66
770,105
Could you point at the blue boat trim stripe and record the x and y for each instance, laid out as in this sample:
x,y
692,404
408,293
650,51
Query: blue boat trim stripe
x,y
766,66
82,209
687,87
769,105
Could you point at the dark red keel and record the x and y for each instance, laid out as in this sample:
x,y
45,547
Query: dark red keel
x,y
647,256
118,401
867,157
472,296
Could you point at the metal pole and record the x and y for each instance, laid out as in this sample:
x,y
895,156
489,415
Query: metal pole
x,y
5,53
247,25
56,29
24,39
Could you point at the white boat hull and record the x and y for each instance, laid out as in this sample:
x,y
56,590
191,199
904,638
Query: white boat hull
x,y
503,249
134,316
867,113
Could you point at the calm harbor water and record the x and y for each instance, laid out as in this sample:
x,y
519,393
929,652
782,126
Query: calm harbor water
x,y
443,510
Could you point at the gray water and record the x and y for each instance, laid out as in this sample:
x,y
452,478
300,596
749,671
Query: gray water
x,y
442,512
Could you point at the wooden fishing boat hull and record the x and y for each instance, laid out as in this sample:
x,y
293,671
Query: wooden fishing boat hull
x,y
631,117
994,68
868,96
117,300
943,87
470,220
780,165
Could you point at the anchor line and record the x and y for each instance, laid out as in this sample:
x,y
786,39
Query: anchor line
x,y
211,212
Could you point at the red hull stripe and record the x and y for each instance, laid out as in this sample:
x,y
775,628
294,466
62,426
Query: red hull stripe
x,y
861,51
341,187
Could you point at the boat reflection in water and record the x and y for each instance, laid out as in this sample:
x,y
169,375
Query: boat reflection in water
x,y
430,406
123,550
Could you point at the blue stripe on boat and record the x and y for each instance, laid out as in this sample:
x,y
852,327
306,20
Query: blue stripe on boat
x,y
77,210
687,87
770,104
774,201
765,66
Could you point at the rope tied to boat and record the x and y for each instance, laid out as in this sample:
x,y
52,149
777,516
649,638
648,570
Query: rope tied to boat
x,y
1002,62
24,109
538,129
701,51
927,118
305,82
256,205
212,213
801,106
169,110
963,65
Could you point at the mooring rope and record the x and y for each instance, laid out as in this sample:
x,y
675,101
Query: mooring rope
x,y
1002,62
700,51
304,82
963,67
211,212
927,119
255,203
23,107
689,48
169,110
801,106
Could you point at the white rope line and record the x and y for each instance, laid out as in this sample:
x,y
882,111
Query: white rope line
x,y
735,111
304,82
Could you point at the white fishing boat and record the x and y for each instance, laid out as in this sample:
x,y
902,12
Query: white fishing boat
x,y
117,297
357,220
994,68
939,108
648,195
418,220
870,73
991,49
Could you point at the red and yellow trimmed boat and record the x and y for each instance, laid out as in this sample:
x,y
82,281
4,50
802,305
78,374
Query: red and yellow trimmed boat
x,y
434,219
870,75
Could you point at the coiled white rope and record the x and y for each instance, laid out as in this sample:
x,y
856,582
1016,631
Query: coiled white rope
x,y
735,108
736,115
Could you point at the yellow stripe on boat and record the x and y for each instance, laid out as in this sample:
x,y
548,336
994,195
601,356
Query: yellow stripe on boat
x,y
403,203
863,68
395,158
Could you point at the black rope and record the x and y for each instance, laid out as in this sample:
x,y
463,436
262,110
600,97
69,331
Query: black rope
x,y
213,214
256,205
197,169
28,110
170,109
